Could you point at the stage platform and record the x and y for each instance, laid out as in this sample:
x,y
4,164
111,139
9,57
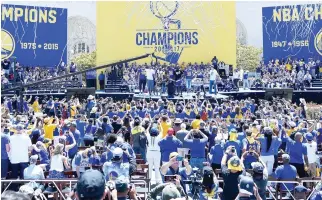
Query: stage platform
x,y
309,95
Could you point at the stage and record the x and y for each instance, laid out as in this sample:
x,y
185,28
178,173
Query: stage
x,y
309,95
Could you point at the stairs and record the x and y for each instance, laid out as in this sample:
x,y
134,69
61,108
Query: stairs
x,y
316,85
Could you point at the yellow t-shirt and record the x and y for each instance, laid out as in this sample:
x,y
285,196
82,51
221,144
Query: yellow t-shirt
x,y
49,131
196,124
289,67
239,116
35,106
165,127
73,111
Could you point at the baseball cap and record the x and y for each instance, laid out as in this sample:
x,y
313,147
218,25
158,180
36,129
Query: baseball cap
x,y
257,167
121,184
246,185
170,192
170,131
285,156
91,185
117,153
207,171
292,124
234,163
173,154
309,136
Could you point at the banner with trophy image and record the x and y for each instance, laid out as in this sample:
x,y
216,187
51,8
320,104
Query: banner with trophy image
x,y
174,31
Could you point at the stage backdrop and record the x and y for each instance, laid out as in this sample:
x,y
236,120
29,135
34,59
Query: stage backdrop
x,y
174,31
292,31
36,36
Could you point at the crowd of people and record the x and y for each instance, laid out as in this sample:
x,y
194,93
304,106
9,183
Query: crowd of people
x,y
14,74
196,77
189,145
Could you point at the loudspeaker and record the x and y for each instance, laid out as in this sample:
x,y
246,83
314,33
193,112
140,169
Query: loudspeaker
x,y
81,93
276,92
222,73
231,70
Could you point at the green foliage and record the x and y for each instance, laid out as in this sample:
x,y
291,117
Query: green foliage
x,y
85,60
248,57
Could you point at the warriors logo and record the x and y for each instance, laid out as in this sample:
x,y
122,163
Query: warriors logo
x,y
7,44
318,42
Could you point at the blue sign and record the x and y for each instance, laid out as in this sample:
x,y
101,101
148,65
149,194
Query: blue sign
x,y
292,31
35,36
91,74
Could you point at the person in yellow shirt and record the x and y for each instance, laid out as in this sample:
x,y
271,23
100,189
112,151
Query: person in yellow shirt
x,y
73,110
165,124
35,105
49,127
196,122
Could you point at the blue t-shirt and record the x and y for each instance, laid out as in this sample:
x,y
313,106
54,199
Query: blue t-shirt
x,y
217,153
101,77
188,74
286,172
197,147
236,144
69,139
248,160
245,76
296,151
44,157
167,146
80,125
94,160
276,142
4,142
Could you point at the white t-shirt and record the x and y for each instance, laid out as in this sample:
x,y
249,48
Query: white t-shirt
x,y
153,143
311,150
213,75
149,74
19,148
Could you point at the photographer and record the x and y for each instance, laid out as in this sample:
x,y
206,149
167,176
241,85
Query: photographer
x,y
167,190
172,167
197,142
209,184
230,172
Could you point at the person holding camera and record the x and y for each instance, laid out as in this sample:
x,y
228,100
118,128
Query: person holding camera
x,y
197,142
247,189
139,138
232,141
268,144
231,170
172,167
153,153
209,184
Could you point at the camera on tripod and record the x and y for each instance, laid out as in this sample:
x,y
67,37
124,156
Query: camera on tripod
x,y
195,181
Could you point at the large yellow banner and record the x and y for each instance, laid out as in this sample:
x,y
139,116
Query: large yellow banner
x,y
175,31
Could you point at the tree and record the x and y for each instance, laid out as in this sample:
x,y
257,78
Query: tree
x,y
248,57
85,60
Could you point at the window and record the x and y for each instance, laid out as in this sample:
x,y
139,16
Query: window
x,y
81,48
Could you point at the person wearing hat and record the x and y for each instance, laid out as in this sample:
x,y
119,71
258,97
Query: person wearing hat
x,y
177,123
247,189
116,167
298,154
209,187
231,170
81,122
172,167
90,104
286,172
91,185
20,144
260,177
168,145
311,147
167,190
196,142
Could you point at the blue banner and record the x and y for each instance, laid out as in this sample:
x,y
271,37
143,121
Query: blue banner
x,y
91,74
35,36
292,31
